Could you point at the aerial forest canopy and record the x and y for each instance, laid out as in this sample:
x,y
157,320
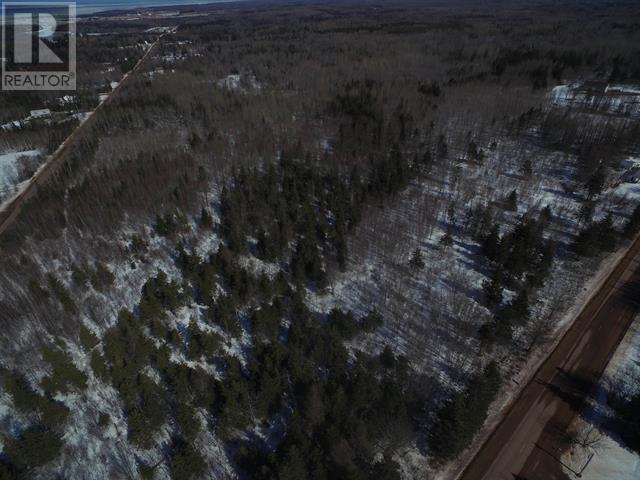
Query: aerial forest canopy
x,y
306,241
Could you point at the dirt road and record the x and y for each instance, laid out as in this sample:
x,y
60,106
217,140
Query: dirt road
x,y
12,208
528,443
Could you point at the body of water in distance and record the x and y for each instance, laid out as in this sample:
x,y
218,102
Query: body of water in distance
x,y
93,6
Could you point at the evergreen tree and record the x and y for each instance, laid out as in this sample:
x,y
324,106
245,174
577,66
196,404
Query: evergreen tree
x,y
491,244
266,320
416,262
187,420
493,290
542,267
511,202
596,238
146,409
65,375
480,221
188,264
387,469
98,365
341,248
472,151
519,307
224,314
206,220
462,417
88,339
585,215
102,277
293,466
442,148
52,414
546,215
165,226
427,161
387,358
34,448
344,323
596,182
235,398
79,276
186,462
607,234
62,294
372,321
447,239
232,207
521,248
498,330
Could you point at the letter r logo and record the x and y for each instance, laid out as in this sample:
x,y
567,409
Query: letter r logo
x,y
24,35
38,45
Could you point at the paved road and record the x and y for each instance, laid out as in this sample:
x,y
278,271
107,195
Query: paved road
x,y
11,209
528,443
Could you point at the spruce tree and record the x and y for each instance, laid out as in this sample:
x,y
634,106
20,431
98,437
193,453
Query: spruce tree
x,y
206,220
472,151
493,290
491,244
596,238
585,215
427,161
442,148
186,462
88,339
34,447
511,202
519,307
447,239
416,262
546,215
596,182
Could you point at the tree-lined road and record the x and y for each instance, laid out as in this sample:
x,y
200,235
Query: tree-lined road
x,y
12,208
529,441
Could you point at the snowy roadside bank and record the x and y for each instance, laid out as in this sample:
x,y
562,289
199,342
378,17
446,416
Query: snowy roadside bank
x,y
602,454
527,370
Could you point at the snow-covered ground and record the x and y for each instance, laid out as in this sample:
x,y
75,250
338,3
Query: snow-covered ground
x,y
239,83
106,449
606,457
629,186
609,461
611,99
630,191
9,171
432,315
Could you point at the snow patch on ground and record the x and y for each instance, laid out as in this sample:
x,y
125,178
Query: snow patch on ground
x,y
96,440
610,99
239,83
629,191
8,166
9,169
609,458
609,461
627,186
